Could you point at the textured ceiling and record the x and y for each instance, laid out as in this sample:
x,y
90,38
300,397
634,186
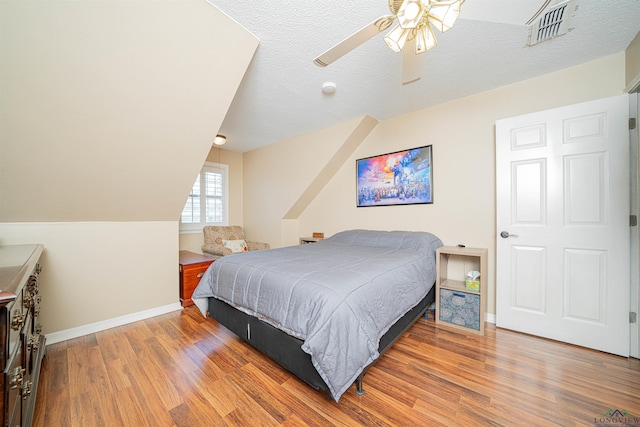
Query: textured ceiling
x,y
280,96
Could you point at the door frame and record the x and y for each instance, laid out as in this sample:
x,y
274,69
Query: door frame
x,y
634,297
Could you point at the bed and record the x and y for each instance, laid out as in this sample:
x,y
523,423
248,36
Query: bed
x,y
327,310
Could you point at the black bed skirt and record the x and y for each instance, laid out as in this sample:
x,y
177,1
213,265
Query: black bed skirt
x,y
286,350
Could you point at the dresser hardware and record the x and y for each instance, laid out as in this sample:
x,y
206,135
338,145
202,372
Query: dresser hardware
x,y
17,375
17,320
25,390
34,343
28,300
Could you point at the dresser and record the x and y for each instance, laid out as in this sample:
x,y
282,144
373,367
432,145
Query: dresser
x,y
23,344
192,267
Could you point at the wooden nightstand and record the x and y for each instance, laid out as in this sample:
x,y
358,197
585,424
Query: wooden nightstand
x,y
305,240
192,267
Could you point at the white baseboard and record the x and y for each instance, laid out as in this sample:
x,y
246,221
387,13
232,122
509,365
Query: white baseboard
x,y
91,328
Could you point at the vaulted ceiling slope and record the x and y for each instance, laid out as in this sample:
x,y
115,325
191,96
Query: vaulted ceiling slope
x,y
109,108
280,96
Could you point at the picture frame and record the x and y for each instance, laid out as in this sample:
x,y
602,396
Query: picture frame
x,y
398,178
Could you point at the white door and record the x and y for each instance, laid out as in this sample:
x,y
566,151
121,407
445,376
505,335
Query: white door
x,y
563,224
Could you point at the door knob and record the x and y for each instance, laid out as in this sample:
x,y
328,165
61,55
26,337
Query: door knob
x,y
505,234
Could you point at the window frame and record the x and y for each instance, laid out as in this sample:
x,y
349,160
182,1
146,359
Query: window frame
x,y
196,227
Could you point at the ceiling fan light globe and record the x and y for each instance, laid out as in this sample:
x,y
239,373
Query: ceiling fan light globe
x,y
425,40
443,15
410,13
396,38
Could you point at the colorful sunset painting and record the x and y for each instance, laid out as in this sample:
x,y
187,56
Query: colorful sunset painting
x,y
400,178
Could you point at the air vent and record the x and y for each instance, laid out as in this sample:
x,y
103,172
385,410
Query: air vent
x,y
552,22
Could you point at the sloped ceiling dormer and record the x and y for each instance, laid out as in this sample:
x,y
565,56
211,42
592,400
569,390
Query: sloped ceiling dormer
x,y
108,109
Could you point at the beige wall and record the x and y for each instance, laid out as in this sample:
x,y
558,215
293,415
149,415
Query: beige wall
x,y
632,71
193,241
108,110
462,135
277,176
95,271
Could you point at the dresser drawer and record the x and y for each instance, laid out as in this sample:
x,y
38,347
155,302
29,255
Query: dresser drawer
x,y
18,316
12,320
14,381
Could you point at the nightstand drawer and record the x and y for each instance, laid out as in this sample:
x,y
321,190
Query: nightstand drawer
x,y
191,276
460,308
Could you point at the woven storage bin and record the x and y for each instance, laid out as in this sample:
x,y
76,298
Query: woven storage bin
x,y
460,308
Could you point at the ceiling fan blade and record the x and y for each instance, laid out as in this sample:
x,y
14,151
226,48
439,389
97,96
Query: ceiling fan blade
x,y
411,63
354,40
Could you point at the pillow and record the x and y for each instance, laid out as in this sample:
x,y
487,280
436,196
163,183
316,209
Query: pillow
x,y
405,240
235,245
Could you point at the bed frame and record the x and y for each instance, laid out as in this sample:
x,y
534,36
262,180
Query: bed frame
x,y
286,350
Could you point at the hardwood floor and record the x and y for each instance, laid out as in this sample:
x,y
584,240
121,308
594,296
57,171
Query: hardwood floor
x,y
180,369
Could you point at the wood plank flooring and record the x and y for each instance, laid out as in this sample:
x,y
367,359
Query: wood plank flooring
x,y
180,369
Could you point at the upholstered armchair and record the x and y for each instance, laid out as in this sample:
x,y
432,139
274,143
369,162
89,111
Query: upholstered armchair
x,y
228,239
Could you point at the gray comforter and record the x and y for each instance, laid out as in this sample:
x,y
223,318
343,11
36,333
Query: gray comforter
x,y
339,295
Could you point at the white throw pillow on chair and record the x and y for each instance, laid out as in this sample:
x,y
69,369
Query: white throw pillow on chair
x,y
235,245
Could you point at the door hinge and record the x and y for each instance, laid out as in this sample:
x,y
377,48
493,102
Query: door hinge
x,y
633,220
632,123
633,317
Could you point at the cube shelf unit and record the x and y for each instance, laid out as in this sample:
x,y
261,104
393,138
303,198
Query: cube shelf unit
x,y
457,306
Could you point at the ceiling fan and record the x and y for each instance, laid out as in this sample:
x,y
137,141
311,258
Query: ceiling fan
x,y
413,33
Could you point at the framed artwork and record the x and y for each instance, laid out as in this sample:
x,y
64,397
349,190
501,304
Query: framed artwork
x,y
399,178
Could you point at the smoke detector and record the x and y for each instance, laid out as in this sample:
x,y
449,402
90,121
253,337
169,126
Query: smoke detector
x,y
328,88
552,20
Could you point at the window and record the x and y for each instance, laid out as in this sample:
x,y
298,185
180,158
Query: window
x,y
207,203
